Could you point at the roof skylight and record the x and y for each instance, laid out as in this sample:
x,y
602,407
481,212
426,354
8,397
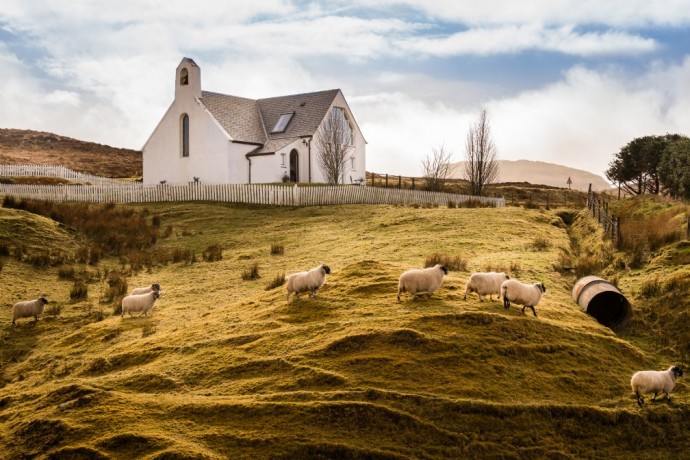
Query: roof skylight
x,y
282,123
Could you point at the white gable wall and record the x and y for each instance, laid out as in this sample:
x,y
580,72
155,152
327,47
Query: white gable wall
x,y
355,171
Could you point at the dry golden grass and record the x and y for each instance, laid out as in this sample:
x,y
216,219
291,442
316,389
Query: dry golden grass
x,y
223,368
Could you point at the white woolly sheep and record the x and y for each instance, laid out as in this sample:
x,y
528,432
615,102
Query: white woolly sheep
x,y
485,283
645,382
425,281
309,281
147,289
29,308
139,303
527,295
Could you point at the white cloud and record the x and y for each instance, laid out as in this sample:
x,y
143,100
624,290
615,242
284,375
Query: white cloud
x,y
585,119
515,39
615,13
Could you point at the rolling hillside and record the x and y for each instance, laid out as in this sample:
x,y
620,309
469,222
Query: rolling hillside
x,y
226,368
539,172
18,146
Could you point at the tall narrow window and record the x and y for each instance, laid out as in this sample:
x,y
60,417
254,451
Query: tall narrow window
x,y
184,77
185,135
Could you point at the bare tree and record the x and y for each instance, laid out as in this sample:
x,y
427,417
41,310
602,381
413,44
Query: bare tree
x,y
481,165
334,141
436,168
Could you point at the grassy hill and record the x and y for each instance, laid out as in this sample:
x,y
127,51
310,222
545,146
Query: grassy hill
x,y
225,368
540,172
19,146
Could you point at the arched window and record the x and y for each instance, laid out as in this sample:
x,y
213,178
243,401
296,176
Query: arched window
x,y
185,135
184,77
294,166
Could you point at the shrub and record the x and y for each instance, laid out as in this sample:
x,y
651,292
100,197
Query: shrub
x,y
79,290
452,204
278,281
54,309
183,255
452,263
277,249
252,273
4,248
651,288
213,253
117,286
67,272
541,244
515,268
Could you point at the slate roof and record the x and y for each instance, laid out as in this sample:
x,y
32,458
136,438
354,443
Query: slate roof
x,y
249,120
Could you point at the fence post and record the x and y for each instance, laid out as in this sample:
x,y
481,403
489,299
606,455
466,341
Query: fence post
x,y
386,180
413,183
399,182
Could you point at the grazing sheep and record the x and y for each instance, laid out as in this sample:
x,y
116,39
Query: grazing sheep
x,y
29,308
139,302
645,382
426,280
310,281
485,283
527,295
147,289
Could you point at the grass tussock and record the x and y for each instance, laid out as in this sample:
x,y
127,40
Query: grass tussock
x,y
79,291
213,253
277,281
452,263
251,273
540,244
277,249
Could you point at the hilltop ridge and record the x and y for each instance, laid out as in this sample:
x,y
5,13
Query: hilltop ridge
x,y
21,146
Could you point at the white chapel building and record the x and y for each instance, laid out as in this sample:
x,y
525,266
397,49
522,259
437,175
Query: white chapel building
x,y
215,138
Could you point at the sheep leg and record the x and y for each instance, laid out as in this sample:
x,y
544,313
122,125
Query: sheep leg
x,y
533,310
506,303
480,297
640,399
35,317
668,396
654,398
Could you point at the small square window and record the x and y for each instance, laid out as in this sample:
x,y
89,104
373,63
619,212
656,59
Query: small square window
x,y
282,122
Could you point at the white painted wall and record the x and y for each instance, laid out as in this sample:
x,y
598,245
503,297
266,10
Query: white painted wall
x,y
214,158
358,151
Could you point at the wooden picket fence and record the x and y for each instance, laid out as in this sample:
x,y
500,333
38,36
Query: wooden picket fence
x,y
274,195
53,171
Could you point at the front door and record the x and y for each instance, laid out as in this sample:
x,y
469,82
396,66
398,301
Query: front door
x,y
294,166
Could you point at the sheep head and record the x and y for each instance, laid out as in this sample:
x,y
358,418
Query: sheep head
x,y
443,269
677,371
326,269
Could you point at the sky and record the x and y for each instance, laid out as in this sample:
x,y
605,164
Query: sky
x,y
562,81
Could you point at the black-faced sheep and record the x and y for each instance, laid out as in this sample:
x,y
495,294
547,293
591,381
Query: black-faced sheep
x,y
310,281
645,382
527,295
147,289
139,303
424,281
28,309
485,283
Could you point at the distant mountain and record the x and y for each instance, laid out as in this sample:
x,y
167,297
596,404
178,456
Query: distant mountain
x,y
19,146
539,172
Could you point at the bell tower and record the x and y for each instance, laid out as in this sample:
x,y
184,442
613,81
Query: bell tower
x,y
187,79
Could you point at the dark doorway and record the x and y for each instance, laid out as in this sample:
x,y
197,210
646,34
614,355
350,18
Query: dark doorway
x,y
294,166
